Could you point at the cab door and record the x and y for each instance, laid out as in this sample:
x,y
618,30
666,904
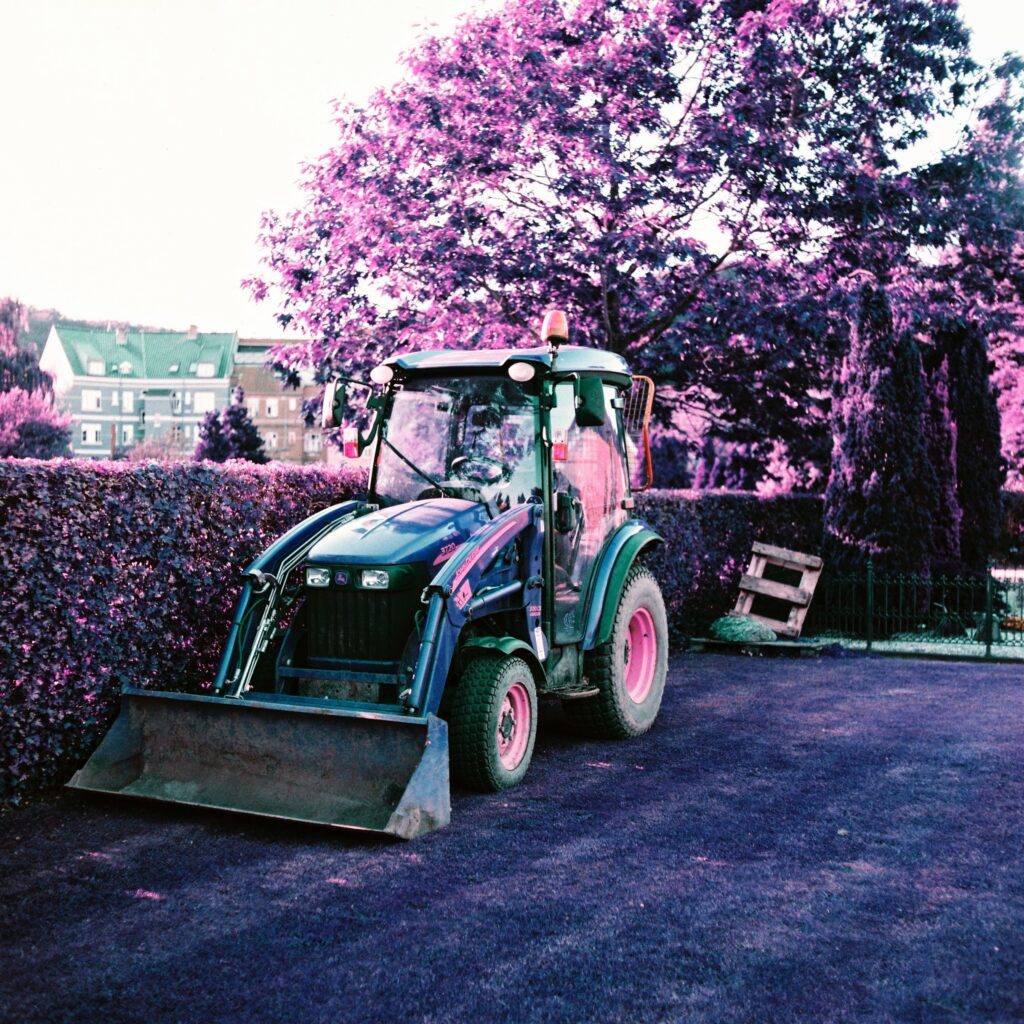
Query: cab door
x,y
588,470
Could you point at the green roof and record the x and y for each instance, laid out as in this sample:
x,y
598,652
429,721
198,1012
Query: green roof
x,y
150,353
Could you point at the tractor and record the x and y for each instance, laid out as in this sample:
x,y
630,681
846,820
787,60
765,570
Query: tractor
x,y
384,644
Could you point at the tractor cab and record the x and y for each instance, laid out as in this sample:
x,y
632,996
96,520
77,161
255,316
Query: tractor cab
x,y
380,643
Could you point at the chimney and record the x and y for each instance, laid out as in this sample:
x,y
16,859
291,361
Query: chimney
x,y
119,337
193,332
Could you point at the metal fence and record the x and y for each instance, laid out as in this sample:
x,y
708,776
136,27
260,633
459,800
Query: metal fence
x,y
980,615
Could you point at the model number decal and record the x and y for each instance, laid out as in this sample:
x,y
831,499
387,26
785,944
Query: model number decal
x,y
446,552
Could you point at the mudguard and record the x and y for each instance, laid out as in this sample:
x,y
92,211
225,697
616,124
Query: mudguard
x,y
510,645
622,551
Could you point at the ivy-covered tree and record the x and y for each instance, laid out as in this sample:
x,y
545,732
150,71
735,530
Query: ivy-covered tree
x,y
880,492
230,434
30,425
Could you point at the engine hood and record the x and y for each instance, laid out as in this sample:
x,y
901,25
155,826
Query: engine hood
x,y
426,531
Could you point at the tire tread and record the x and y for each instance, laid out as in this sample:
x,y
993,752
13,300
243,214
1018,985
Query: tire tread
x,y
600,716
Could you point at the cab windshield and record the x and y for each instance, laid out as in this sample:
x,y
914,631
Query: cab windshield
x,y
468,437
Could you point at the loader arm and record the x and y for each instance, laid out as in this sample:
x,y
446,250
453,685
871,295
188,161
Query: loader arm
x,y
468,588
265,579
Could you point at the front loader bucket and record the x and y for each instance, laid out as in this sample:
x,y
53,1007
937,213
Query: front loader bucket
x,y
378,772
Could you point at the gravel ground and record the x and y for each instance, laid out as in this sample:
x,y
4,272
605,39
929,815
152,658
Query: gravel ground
x,y
833,840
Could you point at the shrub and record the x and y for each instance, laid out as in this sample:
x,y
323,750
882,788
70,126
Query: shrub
x,y
114,573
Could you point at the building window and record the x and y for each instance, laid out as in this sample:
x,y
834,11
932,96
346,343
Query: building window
x,y
293,404
95,368
175,402
272,440
205,369
127,433
114,399
127,401
311,443
272,406
204,401
291,438
91,433
92,401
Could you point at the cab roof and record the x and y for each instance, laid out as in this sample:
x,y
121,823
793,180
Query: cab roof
x,y
570,359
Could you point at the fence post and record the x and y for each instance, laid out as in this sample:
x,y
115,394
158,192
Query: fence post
x,y
988,610
871,602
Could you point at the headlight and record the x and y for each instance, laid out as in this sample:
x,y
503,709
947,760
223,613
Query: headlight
x,y
317,577
375,579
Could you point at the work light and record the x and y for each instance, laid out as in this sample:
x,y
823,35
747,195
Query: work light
x,y
316,577
521,371
375,579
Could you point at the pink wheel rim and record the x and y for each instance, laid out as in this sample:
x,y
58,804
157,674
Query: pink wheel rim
x,y
641,655
513,727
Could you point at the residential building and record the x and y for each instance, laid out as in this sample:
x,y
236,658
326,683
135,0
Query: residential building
x,y
124,387
278,414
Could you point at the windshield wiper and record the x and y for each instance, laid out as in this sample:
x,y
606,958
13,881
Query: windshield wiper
x,y
416,469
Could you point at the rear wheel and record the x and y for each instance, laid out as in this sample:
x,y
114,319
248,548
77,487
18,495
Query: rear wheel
x,y
493,721
629,670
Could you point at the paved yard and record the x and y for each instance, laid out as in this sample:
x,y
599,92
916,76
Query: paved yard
x,y
818,841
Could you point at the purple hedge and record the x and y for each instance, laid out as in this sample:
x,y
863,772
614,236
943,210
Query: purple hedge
x,y
114,573
708,536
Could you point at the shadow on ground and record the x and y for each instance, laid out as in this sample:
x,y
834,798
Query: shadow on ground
x,y
796,840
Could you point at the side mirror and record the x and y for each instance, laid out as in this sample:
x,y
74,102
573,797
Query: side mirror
x,y
590,408
565,512
334,404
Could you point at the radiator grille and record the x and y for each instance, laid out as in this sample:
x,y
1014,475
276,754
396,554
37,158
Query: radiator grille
x,y
363,625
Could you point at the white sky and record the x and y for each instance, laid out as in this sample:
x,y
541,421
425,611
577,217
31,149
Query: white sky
x,y
143,138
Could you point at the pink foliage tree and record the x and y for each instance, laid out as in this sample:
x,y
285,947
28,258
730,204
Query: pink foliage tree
x,y
30,426
683,176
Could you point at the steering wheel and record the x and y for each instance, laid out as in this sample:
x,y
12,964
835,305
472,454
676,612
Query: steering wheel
x,y
481,468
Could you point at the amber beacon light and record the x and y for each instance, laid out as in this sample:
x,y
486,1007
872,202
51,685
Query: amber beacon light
x,y
555,328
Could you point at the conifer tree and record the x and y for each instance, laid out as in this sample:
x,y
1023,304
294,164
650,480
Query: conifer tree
x,y
243,438
230,434
940,435
878,497
980,468
212,445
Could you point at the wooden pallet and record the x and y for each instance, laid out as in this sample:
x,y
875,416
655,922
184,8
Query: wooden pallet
x,y
752,584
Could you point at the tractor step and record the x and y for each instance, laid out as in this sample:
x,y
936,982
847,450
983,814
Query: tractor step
x,y
344,675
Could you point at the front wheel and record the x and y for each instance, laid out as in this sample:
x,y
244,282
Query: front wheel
x,y
493,721
629,670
